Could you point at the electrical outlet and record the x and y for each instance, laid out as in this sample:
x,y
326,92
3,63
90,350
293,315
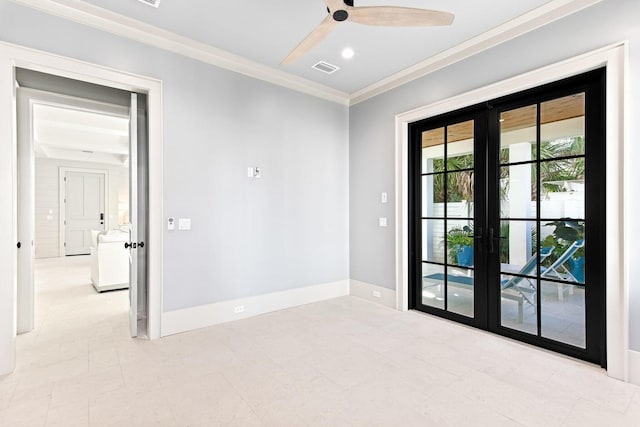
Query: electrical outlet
x,y
238,309
376,294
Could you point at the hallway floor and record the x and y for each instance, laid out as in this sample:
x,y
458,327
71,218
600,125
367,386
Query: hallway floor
x,y
342,362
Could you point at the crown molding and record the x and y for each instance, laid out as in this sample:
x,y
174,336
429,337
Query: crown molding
x,y
549,12
115,23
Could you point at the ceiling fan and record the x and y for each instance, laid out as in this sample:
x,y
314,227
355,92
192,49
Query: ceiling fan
x,y
390,16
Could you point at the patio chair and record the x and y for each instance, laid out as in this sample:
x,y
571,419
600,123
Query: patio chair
x,y
520,293
515,283
558,269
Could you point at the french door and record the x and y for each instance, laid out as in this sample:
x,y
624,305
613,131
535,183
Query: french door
x,y
507,216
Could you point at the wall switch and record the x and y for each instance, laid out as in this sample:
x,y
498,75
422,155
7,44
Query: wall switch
x,y
171,223
238,309
253,172
383,197
382,222
184,223
376,294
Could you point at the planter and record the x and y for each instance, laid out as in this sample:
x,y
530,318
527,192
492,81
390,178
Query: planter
x,y
465,256
576,268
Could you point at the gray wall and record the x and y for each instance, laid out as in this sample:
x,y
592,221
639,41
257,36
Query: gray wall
x,y
286,230
372,132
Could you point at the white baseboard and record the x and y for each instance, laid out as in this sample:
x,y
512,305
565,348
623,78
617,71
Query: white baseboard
x,y
384,296
634,367
188,319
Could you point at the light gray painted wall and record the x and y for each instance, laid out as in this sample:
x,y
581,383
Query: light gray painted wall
x,y
372,132
288,229
47,200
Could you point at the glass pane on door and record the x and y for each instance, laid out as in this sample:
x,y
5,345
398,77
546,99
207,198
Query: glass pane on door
x,y
542,215
447,166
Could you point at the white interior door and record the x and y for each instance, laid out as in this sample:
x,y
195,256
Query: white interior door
x,y
133,214
84,209
26,229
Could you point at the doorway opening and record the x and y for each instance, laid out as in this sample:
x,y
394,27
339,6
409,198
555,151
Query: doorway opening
x,y
507,214
82,192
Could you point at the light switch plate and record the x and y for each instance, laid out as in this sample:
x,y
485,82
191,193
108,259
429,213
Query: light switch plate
x,y
382,222
383,198
184,223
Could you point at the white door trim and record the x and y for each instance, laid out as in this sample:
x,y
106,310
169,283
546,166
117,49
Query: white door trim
x,y
62,193
12,56
615,58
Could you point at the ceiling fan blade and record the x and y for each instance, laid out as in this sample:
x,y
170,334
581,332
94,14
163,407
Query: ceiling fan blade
x,y
311,40
392,16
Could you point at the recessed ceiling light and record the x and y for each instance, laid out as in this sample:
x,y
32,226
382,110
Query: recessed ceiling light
x,y
347,53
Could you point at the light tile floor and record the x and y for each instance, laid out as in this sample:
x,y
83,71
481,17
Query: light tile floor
x,y
343,362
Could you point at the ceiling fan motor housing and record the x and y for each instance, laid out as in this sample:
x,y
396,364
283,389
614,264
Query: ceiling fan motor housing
x,y
341,15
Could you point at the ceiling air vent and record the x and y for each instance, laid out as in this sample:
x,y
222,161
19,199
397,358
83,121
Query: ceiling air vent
x,y
325,67
154,3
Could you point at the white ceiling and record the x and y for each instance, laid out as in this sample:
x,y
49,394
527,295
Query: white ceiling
x,y
265,31
73,134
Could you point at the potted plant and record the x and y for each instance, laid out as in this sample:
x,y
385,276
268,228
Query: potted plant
x,y
460,245
566,232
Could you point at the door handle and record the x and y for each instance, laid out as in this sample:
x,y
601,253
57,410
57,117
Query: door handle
x,y
479,237
19,245
491,248
140,245
128,245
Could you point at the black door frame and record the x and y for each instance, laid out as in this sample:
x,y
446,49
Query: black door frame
x,y
486,145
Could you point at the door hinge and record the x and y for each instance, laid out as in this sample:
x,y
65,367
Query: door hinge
x,y
65,244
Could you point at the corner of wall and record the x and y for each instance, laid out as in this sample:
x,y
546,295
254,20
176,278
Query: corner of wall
x,y
374,293
634,367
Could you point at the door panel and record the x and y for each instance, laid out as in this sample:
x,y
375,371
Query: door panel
x,y
25,220
542,205
448,213
507,213
84,209
133,212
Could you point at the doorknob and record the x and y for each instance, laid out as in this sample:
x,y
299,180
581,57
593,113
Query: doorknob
x,y
141,245
19,245
128,245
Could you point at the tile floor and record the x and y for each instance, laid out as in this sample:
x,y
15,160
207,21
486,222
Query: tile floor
x,y
343,362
